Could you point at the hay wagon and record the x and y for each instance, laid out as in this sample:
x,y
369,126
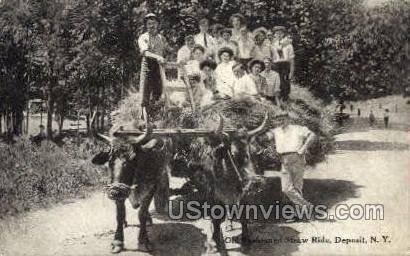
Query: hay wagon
x,y
177,93
179,89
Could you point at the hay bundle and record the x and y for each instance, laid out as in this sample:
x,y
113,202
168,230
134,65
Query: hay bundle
x,y
248,113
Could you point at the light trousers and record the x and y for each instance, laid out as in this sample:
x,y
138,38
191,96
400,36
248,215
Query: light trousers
x,y
293,170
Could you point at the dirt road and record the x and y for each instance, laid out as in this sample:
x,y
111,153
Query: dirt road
x,y
370,166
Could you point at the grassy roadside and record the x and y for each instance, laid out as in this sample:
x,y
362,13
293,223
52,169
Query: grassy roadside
x,y
33,177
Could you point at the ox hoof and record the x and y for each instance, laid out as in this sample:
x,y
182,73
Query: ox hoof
x,y
145,247
117,246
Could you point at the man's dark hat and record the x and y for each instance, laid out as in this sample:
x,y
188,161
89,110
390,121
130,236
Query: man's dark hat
x,y
150,16
208,63
254,62
225,49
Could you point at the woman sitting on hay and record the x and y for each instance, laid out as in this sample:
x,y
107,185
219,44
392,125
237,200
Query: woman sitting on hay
x,y
205,90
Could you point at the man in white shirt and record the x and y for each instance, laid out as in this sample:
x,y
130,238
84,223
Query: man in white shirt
x,y
204,38
292,142
283,56
245,46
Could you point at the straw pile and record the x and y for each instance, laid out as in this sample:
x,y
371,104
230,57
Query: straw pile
x,y
248,113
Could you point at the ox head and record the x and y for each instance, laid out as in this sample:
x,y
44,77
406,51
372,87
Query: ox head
x,y
234,149
127,156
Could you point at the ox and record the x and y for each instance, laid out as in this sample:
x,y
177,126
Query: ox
x,y
231,174
139,163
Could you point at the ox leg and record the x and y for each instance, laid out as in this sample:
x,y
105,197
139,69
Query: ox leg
x,y
217,235
143,215
118,243
125,219
245,241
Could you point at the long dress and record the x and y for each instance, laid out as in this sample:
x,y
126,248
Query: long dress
x,y
225,78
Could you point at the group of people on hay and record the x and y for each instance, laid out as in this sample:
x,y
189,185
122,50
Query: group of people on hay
x,y
222,62
234,63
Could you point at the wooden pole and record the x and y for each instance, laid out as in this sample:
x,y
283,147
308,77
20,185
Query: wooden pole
x,y
164,84
197,132
190,93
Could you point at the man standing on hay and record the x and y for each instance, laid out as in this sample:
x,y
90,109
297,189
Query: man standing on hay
x,y
283,56
153,47
292,142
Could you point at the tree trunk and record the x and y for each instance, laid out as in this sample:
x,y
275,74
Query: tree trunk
x,y
8,121
18,121
61,123
103,106
27,118
122,82
50,111
88,123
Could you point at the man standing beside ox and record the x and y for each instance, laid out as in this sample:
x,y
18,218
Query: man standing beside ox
x,y
292,142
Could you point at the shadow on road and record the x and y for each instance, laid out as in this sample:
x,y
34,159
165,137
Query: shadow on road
x,y
271,239
175,239
364,145
318,191
329,192
268,237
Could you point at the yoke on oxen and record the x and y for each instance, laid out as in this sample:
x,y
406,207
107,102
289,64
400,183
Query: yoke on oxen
x,y
139,160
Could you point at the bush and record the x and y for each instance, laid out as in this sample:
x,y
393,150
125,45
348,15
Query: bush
x,y
33,176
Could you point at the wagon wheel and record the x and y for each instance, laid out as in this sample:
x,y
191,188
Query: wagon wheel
x,y
161,196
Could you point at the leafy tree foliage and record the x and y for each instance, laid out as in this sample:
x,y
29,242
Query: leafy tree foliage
x,y
81,56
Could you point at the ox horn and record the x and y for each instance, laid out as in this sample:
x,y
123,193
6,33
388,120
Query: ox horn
x,y
106,138
139,139
150,144
261,128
